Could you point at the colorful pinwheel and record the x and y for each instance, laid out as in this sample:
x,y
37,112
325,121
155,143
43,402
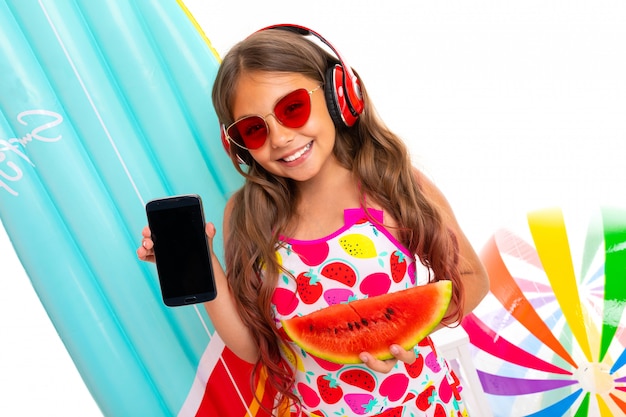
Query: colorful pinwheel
x,y
549,338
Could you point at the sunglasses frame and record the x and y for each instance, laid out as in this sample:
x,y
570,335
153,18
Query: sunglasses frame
x,y
230,139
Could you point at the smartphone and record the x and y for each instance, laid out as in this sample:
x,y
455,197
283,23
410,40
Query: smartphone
x,y
181,250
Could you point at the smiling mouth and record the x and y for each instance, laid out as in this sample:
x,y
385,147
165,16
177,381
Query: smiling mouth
x,y
298,154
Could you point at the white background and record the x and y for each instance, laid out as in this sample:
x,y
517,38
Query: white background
x,y
509,106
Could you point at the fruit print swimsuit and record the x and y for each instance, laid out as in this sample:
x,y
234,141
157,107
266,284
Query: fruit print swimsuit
x,y
360,260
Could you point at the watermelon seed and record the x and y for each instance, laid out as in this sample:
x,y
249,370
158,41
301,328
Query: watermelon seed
x,y
350,326
357,325
365,323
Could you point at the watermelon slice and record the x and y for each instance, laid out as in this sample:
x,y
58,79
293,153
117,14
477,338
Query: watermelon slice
x,y
340,332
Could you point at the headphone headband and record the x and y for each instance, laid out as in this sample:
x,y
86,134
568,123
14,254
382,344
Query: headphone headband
x,y
351,83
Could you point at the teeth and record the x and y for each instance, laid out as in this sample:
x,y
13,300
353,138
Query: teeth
x,y
298,154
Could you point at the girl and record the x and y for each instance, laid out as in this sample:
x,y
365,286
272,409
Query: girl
x,y
320,166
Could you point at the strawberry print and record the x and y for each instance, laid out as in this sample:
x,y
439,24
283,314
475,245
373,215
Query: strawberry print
x,y
415,369
285,301
328,388
394,386
359,378
375,284
426,398
309,287
445,390
432,362
338,296
311,254
340,272
439,411
309,396
359,403
398,266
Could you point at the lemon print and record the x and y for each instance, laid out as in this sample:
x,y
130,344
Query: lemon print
x,y
292,359
279,259
359,246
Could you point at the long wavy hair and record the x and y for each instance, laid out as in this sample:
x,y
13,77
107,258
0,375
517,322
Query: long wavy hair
x,y
262,208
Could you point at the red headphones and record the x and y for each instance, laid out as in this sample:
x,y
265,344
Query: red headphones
x,y
342,88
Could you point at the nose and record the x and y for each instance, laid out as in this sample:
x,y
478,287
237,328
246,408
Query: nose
x,y
278,135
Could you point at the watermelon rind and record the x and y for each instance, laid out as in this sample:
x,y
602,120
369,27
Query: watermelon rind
x,y
339,333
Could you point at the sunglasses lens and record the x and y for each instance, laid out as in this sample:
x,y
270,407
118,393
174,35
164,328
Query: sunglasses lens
x,y
294,109
249,132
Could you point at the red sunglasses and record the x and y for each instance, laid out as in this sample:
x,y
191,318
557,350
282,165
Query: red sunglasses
x,y
292,111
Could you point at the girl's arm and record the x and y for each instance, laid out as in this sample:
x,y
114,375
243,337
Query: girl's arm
x,y
222,310
473,273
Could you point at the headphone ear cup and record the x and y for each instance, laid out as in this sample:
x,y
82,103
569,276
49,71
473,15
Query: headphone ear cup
x,y
339,107
334,76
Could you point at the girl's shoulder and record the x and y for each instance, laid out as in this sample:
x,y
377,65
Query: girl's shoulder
x,y
430,190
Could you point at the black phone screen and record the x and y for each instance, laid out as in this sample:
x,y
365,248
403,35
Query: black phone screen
x,y
181,250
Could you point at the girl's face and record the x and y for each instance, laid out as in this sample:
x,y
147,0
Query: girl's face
x,y
297,153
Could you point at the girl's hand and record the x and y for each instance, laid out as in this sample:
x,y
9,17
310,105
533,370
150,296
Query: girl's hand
x,y
145,252
399,354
